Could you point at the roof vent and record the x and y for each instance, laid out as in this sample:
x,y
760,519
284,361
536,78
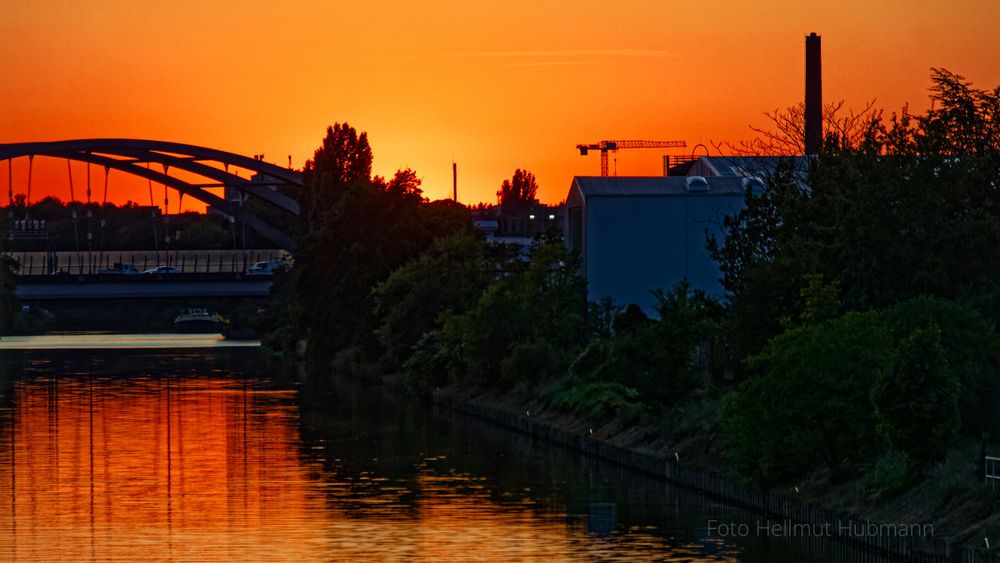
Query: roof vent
x,y
697,184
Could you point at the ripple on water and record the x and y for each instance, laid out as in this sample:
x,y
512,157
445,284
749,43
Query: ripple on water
x,y
162,456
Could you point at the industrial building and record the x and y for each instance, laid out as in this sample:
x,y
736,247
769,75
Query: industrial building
x,y
636,235
639,234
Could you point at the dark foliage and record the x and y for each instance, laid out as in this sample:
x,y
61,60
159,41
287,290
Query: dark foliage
x,y
130,227
891,216
362,230
517,194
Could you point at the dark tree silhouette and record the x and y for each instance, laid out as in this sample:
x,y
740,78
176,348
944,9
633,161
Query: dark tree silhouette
x,y
964,120
361,229
894,217
518,193
786,134
343,159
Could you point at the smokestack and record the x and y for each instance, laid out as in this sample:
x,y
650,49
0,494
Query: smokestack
x,y
454,182
814,95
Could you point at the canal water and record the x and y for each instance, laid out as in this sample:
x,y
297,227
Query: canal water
x,y
195,451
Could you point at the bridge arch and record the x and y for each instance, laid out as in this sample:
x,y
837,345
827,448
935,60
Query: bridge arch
x,y
134,155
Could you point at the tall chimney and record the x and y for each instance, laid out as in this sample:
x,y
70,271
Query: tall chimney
x,y
814,95
454,181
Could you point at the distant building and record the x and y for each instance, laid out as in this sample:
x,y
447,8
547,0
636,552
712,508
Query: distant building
x,y
518,228
528,219
639,234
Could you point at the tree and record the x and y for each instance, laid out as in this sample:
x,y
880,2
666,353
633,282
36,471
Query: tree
x,y
810,405
659,359
786,134
344,158
762,282
971,349
8,302
518,193
526,325
890,217
445,279
964,120
916,398
362,229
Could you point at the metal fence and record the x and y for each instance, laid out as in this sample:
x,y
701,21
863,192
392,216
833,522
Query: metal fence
x,y
991,471
186,261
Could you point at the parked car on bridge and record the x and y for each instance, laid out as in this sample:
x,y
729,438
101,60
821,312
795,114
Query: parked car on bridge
x,y
162,270
266,268
121,269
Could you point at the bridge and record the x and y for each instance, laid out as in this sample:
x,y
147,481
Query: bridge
x,y
192,273
61,287
201,169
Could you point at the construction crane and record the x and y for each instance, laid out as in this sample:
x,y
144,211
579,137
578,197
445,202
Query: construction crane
x,y
606,146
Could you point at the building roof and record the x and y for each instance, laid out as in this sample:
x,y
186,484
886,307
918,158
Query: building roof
x,y
746,166
630,186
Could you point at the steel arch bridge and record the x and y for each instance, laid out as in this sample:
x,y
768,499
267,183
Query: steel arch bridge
x,y
135,156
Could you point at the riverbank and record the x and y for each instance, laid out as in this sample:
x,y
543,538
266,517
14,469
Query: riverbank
x,y
946,517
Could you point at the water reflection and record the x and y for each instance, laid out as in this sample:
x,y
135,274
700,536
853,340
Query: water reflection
x,y
199,456
102,340
108,468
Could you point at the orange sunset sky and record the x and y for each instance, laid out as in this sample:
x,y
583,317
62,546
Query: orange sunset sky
x,y
492,85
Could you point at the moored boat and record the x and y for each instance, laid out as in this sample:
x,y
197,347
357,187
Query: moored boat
x,y
198,321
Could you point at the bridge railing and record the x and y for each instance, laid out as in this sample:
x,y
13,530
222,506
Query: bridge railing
x,y
185,261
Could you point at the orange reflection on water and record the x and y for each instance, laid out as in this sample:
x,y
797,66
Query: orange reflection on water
x,y
188,468
152,468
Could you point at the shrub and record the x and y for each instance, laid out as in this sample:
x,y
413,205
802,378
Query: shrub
x,y
591,363
916,398
448,277
893,473
969,341
531,318
810,405
531,362
429,366
598,400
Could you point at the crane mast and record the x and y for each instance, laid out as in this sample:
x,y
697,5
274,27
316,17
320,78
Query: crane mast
x,y
613,146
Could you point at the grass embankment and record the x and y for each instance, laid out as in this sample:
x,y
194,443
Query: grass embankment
x,y
951,496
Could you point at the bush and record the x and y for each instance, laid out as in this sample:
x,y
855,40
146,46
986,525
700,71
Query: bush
x,y
810,405
598,400
448,277
893,473
661,371
429,366
972,350
531,362
969,341
590,364
528,319
916,398
657,358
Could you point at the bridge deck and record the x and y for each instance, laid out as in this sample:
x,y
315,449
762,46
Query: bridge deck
x,y
110,286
